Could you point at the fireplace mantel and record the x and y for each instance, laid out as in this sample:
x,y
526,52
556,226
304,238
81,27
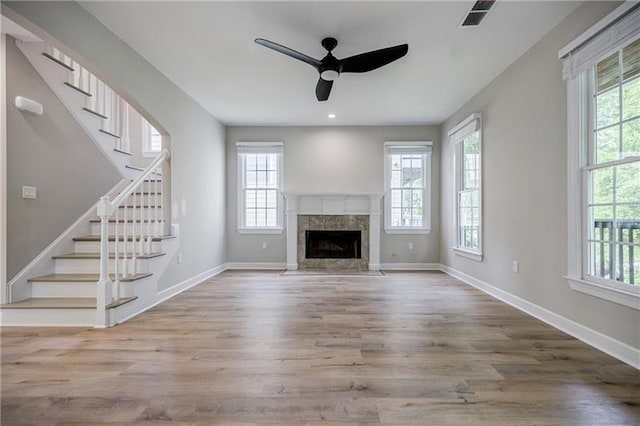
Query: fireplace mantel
x,y
333,204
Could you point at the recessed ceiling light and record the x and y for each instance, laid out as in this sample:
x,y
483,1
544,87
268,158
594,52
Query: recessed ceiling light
x,y
331,115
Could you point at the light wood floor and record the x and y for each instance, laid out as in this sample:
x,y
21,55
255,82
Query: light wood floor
x,y
260,348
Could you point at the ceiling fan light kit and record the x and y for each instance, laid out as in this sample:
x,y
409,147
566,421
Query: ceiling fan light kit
x,y
331,67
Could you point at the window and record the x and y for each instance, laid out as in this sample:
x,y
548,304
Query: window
x,y
260,183
151,140
408,184
466,141
604,158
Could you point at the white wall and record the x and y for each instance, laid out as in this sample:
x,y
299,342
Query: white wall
x,y
197,138
51,152
525,175
332,160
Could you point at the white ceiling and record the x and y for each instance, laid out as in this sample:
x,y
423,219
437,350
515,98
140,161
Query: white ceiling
x,y
207,49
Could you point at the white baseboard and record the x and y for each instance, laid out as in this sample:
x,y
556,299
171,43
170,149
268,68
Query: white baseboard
x,y
253,265
606,344
42,262
179,288
410,266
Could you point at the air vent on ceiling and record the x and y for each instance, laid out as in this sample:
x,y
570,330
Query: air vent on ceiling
x,y
477,13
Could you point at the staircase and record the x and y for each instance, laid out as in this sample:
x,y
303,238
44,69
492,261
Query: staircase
x,y
111,273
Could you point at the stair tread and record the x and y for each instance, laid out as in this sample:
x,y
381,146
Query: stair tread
x,y
53,302
57,61
106,132
111,255
84,92
83,277
94,112
122,151
120,221
120,238
64,303
140,169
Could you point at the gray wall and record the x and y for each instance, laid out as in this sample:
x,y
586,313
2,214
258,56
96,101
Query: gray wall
x,y
52,153
332,160
525,175
197,138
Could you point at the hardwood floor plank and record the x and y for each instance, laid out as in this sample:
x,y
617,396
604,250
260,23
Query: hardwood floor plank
x,y
258,348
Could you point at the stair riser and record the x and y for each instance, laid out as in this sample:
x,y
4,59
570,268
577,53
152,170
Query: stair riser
x,y
74,289
92,266
94,246
63,289
147,213
49,317
154,228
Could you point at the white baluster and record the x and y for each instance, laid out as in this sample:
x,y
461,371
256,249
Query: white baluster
x,y
126,142
141,239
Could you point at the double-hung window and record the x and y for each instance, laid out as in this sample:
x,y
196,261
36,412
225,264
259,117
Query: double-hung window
x,y
465,139
260,184
603,76
151,140
407,187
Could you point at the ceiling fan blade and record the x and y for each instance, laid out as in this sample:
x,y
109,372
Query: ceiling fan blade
x,y
371,60
323,88
289,52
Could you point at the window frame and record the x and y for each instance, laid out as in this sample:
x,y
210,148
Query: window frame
x,y
259,148
606,37
426,188
470,125
146,136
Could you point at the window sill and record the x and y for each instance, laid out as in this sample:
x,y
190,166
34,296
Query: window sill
x,y
260,230
615,293
468,254
407,231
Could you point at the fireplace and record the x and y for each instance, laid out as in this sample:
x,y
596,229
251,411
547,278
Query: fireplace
x,y
333,245
331,213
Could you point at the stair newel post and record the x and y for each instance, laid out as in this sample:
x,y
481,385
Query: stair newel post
x,y
149,221
116,261
125,242
156,189
141,216
132,270
104,283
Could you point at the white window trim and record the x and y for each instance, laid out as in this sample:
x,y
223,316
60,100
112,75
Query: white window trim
x,y
597,43
456,135
279,228
145,139
426,208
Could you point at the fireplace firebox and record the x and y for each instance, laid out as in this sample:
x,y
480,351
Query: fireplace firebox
x,y
333,244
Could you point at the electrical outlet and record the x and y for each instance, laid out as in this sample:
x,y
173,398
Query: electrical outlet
x,y
515,266
179,258
411,246
264,246
29,192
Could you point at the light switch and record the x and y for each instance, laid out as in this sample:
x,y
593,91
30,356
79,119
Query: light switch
x,y
29,192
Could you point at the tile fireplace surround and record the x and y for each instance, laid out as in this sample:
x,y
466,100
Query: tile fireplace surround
x,y
359,212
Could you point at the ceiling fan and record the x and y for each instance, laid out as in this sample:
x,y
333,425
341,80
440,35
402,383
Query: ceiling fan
x,y
331,67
